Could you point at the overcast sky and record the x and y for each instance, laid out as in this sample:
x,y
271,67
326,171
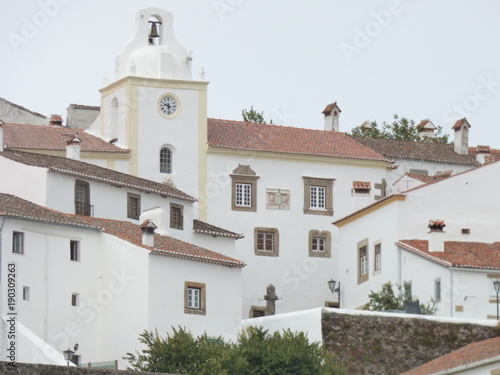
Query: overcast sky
x,y
287,58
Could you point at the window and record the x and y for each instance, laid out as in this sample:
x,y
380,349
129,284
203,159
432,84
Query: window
x,y
165,160
133,206
194,298
244,189
318,198
266,242
18,243
75,299
362,261
378,257
26,293
82,198
320,243
437,289
176,216
74,250
243,195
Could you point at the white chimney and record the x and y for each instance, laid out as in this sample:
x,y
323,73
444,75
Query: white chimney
x,y
436,235
461,139
148,233
157,215
331,113
73,148
483,153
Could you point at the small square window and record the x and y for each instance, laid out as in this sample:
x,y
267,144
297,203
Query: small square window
x,y
133,206
266,242
194,298
75,299
319,244
26,293
74,250
176,216
18,243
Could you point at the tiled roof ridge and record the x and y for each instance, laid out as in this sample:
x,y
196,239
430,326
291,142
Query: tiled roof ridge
x,y
169,191
229,262
213,230
24,109
276,126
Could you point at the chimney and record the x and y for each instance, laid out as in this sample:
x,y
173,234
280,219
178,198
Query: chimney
x,y
426,129
331,113
482,154
56,120
436,235
159,216
148,233
73,148
461,140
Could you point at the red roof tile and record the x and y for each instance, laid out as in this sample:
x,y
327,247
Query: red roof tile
x,y
478,255
33,137
205,228
470,356
14,207
361,185
288,140
95,173
459,123
330,108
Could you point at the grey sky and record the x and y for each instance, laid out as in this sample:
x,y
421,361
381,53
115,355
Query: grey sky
x,y
288,58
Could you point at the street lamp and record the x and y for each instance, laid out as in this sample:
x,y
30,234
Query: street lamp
x,y
68,355
496,285
331,285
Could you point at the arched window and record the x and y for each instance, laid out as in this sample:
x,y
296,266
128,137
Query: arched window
x,y
165,160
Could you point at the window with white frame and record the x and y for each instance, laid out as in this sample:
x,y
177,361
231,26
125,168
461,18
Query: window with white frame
x,y
243,194
318,196
362,255
244,189
18,243
319,243
378,257
194,298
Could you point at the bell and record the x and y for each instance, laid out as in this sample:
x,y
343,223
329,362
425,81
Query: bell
x,y
154,31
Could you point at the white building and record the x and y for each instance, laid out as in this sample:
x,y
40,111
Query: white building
x,y
439,237
101,282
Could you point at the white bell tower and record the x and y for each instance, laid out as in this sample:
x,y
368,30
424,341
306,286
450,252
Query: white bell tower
x,y
154,108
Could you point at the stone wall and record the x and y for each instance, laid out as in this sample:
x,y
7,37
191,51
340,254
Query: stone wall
x,y
36,369
384,344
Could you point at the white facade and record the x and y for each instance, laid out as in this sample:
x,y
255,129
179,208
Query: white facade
x,y
459,201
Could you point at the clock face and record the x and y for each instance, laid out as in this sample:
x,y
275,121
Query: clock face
x,y
168,105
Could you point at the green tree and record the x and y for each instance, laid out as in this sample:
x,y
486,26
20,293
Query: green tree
x,y
255,352
388,299
253,116
400,129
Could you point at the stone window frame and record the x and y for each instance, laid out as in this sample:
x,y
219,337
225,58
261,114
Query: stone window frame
x,y
359,256
202,309
133,206
275,233
327,184
327,237
176,222
377,256
244,175
17,242
74,250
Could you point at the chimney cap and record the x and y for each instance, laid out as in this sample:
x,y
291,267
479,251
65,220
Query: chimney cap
x,y
148,226
458,125
436,224
330,107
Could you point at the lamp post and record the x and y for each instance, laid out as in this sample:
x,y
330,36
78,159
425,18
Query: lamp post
x,y
68,355
331,285
496,285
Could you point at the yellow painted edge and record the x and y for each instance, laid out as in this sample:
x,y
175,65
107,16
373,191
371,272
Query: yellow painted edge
x,y
153,82
368,210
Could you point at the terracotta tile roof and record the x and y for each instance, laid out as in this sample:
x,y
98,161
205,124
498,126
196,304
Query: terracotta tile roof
x,y
423,123
494,154
426,151
470,356
205,228
330,108
361,185
95,173
425,178
288,140
459,123
14,207
33,137
460,254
